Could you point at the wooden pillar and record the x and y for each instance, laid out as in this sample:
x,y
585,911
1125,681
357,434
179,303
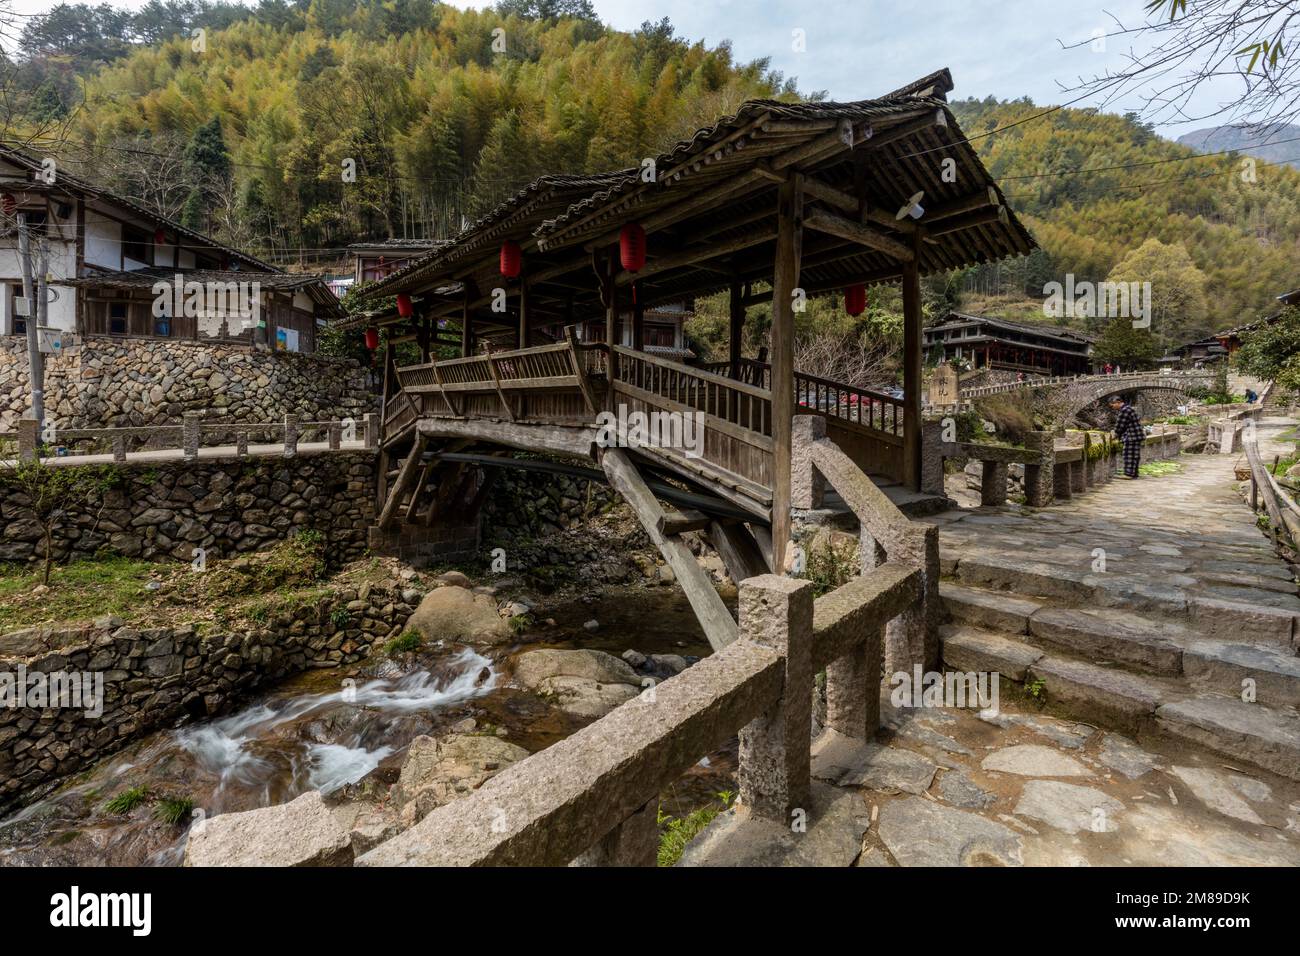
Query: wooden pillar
x,y
638,321
523,312
426,333
785,279
611,304
912,368
736,328
466,331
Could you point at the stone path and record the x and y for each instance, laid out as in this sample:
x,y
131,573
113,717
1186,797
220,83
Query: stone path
x,y
1144,635
950,787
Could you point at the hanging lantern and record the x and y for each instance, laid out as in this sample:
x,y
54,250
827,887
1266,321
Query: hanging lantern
x,y
631,247
855,299
510,255
159,237
372,338
9,203
404,307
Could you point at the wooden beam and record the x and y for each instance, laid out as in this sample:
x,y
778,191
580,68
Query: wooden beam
x,y
679,522
785,279
410,467
579,369
937,118
955,207
865,235
741,554
719,627
912,373
523,314
694,256
969,220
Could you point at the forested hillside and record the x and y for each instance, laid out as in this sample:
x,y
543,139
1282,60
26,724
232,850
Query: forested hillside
x,y
248,129
442,111
1238,222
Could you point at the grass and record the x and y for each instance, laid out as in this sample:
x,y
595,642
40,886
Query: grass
x,y
829,567
80,590
127,800
1159,469
173,810
676,832
410,641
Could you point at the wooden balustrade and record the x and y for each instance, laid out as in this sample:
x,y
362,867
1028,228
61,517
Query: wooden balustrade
x,y
863,407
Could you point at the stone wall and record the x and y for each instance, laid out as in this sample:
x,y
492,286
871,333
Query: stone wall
x,y
226,506
154,677
98,382
527,504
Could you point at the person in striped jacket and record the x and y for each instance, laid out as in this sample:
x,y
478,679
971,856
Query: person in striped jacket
x,y
1129,430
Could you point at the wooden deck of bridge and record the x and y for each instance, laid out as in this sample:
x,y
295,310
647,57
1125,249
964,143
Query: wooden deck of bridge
x,y
567,385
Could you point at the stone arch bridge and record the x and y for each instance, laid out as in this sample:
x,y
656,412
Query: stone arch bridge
x,y
1080,391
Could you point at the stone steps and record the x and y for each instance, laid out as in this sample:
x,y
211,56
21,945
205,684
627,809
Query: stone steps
x,y
1265,735
1211,616
1138,641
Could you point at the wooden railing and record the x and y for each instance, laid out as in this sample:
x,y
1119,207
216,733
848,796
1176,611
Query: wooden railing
x,y
749,406
864,407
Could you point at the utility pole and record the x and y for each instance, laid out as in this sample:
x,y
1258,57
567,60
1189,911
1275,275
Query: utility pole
x,y
35,361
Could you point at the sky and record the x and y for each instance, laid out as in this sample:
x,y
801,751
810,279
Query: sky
x,y
856,49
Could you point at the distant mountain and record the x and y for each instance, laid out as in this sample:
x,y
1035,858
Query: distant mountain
x,y
1243,139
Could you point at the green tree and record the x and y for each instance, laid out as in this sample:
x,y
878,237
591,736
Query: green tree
x,y
1121,344
1271,350
1178,303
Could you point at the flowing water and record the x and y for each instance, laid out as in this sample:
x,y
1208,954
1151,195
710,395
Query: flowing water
x,y
325,730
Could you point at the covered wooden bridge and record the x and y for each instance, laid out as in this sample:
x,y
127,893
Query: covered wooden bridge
x,y
544,297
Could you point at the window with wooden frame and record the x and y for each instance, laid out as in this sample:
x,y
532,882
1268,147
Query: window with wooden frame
x,y
137,244
118,313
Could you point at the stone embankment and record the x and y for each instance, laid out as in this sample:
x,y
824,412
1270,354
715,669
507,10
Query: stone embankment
x,y
225,507
98,382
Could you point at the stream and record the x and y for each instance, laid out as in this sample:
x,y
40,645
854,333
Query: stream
x,y
326,730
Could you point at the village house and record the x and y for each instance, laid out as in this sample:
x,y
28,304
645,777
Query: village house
x,y
985,342
113,266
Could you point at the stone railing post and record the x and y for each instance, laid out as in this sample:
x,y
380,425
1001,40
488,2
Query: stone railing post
x,y
634,842
774,772
372,430
932,457
191,425
1039,476
119,448
913,637
853,681
241,442
993,483
290,435
29,437
335,435
807,485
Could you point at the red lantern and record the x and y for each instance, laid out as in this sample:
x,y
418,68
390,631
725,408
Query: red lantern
x,y
372,338
510,258
10,204
404,307
855,299
631,247
159,237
